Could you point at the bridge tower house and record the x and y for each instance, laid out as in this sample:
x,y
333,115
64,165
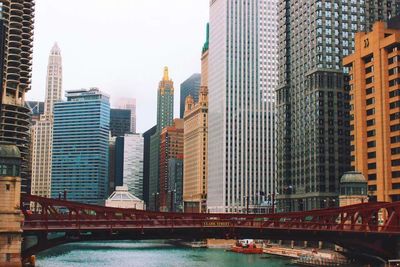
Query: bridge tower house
x,y
11,217
353,189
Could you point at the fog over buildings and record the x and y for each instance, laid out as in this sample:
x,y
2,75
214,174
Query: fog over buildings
x,y
132,65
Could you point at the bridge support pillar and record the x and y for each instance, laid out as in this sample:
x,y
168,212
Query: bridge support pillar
x,y
11,217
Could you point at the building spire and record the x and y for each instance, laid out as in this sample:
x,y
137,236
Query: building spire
x,y
165,77
55,50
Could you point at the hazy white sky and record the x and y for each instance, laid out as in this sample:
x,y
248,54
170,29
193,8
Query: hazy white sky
x,y
120,46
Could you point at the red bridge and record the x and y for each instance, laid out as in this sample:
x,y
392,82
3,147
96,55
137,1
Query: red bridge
x,y
356,228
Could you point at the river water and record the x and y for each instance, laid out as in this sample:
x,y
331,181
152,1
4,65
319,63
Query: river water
x,y
148,254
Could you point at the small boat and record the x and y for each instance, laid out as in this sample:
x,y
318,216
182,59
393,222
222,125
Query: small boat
x,y
246,248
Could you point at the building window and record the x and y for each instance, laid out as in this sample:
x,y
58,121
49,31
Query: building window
x,y
372,155
395,150
370,101
8,186
369,80
372,177
396,186
370,90
371,166
370,133
370,111
396,174
396,162
371,122
372,187
371,144
394,105
395,127
394,93
8,257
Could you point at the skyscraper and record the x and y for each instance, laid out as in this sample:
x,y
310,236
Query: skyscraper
x,y
380,11
191,87
375,112
120,122
171,147
196,153
146,163
133,164
312,100
165,115
129,103
42,131
204,58
36,109
16,41
241,81
80,146
313,140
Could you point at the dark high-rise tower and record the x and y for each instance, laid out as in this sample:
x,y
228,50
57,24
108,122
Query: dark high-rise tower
x,y
120,122
190,86
381,10
165,115
313,140
16,36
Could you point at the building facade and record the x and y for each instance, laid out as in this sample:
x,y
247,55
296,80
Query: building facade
x,y
381,11
165,115
133,164
242,67
146,163
42,130
120,122
80,146
175,184
111,164
313,140
312,105
375,109
195,153
171,147
36,109
129,103
204,58
191,87
16,39
11,217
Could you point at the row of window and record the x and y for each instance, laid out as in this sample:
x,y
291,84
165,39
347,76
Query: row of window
x,y
372,166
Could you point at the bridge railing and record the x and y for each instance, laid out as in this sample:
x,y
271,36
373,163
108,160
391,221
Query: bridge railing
x,y
55,214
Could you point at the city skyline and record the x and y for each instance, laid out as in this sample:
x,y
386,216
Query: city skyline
x,y
135,76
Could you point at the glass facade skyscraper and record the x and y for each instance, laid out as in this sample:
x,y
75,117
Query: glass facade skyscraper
x,y
133,164
80,146
120,122
242,70
190,86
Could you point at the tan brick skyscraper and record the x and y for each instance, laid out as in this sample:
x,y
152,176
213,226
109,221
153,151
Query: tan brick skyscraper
x,y
375,109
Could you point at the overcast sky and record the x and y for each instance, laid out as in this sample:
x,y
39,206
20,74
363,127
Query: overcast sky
x,y
120,46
